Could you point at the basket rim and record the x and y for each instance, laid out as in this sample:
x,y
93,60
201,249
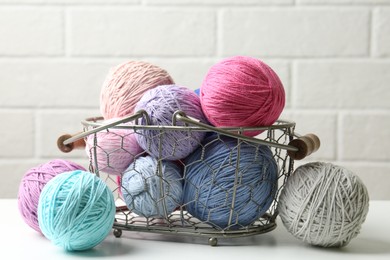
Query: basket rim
x,y
93,125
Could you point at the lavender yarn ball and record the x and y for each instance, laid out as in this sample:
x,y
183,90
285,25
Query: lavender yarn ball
x,y
149,194
116,149
161,103
323,204
32,183
126,83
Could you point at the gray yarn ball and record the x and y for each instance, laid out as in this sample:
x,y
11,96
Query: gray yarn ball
x,y
323,204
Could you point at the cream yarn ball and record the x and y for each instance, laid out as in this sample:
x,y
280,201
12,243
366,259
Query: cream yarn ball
x,y
323,204
126,83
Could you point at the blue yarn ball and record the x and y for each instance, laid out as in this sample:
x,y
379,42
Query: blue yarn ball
x,y
149,192
161,103
76,210
211,181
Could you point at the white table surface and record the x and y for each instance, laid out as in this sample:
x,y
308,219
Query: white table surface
x,y
19,241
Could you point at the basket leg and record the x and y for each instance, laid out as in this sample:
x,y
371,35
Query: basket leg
x,y
213,241
117,232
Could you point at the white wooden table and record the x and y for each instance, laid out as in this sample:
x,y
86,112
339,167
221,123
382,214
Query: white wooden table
x,y
19,241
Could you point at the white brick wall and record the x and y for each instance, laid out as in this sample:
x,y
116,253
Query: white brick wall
x,y
333,57
31,31
296,32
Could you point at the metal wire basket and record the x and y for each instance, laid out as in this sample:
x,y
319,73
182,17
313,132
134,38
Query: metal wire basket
x,y
285,144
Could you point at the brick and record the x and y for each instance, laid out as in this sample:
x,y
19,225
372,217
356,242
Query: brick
x,y
31,31
323,124
53,124
160,32
349,84
190,73
70,2
313,34
376,178
282,69
52,83
219,2
381,32
15,170
343,2
17,134
365,136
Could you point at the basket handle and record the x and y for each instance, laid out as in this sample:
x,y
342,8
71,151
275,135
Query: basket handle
x,y
67,142
306,144
297,149
66,148
181,116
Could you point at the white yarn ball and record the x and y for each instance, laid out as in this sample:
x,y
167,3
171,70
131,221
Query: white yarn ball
x,y
323,204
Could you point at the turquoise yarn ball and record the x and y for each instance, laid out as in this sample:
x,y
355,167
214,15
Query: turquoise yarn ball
x,y
76,210
149,194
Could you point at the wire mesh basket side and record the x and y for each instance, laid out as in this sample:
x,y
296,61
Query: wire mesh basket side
x,y
180,221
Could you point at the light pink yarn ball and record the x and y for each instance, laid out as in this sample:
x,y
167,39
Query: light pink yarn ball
x,y
116,149
125,85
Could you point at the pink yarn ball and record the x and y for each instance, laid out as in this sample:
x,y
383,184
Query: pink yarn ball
x,y
116,149
32,184
242,91
125,85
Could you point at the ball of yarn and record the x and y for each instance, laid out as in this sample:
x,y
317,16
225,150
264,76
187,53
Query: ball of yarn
x,y
242,91
161,103
323,204
126,83
212,178
31,186
76,210
152,188
116,149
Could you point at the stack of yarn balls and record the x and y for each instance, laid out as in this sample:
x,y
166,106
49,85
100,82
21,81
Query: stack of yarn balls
x,y
237,91
68,205
225,182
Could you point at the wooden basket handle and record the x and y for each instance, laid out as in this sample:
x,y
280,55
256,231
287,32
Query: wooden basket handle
x,y
306,144
66,148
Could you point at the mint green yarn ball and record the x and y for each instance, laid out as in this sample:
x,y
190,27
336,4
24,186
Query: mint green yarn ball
x,y
76,210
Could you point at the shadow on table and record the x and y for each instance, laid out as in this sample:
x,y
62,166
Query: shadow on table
x,y
108,248
363,246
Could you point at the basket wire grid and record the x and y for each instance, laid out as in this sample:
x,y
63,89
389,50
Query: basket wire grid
x,y
277,137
